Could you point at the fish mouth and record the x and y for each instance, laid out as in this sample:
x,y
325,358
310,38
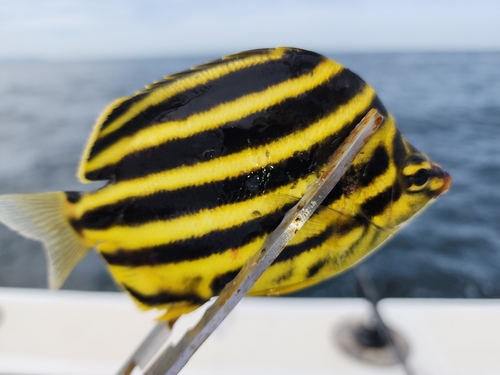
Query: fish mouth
x,y
440,173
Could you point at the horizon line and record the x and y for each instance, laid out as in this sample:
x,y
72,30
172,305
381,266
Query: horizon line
x,y
215,55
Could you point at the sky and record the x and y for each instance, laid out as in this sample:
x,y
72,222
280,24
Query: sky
x,y
116,29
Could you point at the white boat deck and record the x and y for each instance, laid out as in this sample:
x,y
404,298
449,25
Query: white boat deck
x,y
82,333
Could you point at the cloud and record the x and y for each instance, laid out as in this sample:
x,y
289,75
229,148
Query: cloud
x,y
91,29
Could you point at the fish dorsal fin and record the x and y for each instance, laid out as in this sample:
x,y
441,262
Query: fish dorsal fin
x,y
222,61
126,113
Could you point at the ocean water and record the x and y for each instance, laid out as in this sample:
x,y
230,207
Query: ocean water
x,y
447,105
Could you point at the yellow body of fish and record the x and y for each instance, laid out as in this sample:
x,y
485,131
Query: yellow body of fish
x,y
202,165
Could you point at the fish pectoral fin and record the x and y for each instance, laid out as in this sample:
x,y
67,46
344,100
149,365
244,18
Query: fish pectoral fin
x,y
42,217
323,216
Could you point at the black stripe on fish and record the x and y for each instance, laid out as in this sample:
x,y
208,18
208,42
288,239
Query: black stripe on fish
x,y
121,109
284,276
292,251
164,297
215,242
364,173
227,88
377,204
398,150
316,267
73,196
166,205
220,281
376,166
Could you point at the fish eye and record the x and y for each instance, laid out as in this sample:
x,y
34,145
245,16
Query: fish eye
x,y
416,173
421,177
418,180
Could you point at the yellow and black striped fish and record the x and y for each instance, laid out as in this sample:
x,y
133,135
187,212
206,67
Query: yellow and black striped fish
x,y
202,165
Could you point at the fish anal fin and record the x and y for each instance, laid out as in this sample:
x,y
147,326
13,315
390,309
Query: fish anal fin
x,y
175,311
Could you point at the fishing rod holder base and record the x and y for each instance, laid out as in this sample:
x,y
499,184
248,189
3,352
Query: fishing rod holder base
x,y
366,341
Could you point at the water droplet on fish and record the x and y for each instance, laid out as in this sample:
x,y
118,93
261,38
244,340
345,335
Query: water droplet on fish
x,y
208,154
253,183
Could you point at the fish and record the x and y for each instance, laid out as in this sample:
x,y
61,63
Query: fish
x,y
202,165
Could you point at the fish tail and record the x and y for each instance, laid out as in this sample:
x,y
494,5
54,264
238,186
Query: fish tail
x,y
44,217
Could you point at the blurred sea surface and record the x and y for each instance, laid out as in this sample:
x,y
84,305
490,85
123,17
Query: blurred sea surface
x,y
446,104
